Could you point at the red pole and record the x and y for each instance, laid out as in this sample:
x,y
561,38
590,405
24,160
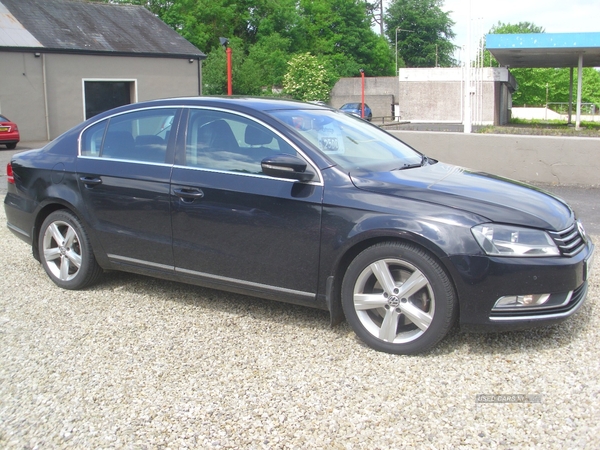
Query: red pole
x,y
229,88
362,94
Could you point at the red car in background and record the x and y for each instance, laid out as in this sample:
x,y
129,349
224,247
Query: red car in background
x,y
9,133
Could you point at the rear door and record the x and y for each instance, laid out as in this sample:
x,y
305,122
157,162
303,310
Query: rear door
x,y
124,169
235,226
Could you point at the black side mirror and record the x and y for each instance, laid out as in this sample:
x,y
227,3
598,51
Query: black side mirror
x,y
286,166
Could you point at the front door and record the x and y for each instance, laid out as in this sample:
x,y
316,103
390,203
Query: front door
x,y
233,225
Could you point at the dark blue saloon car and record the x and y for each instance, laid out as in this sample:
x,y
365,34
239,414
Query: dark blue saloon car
x,y
304,204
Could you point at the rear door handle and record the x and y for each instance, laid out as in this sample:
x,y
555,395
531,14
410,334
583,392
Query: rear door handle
x,y
91,181
189,193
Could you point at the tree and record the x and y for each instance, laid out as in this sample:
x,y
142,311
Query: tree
x,y
307,79
340,30
538,84
266,34
424,33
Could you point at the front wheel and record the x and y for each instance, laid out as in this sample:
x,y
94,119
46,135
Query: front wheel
x,y
66,252
398,299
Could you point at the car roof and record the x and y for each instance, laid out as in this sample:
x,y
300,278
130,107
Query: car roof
x,y
263,104
258,103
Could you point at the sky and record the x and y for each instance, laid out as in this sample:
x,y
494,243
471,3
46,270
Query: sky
x,y
555,16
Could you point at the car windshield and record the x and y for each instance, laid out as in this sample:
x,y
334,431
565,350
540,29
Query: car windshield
x,y
352,143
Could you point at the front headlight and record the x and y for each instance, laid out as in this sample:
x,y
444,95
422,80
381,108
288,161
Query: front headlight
x,y
508,240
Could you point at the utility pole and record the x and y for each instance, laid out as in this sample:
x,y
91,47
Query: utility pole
x,y
381,17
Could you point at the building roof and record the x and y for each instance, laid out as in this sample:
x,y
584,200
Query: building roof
x,y
79,26
545,49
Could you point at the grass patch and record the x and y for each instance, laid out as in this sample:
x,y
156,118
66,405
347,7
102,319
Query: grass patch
x,y
544,128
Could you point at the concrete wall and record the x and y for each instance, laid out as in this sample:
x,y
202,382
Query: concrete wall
x,y
437,95
432,95
540,159
380,94
22,96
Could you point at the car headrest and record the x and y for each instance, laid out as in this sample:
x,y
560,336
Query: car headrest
x,y
257,136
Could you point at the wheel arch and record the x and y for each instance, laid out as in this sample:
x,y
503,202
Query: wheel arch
x,y
334,290
48,208
42,214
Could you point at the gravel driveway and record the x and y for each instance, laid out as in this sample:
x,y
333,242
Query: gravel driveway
x,y
142,363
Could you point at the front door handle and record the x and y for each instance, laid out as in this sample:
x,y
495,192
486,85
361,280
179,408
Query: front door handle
x,y
189,193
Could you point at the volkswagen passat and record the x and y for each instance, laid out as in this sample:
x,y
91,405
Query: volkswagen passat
x,y
303,204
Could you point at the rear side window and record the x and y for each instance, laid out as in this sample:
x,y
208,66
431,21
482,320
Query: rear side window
x,y
91,142
137,136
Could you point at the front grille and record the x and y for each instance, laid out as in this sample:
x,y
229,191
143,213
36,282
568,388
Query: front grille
x,y
569,241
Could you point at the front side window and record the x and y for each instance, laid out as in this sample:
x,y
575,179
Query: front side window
x,y
228,142
137,136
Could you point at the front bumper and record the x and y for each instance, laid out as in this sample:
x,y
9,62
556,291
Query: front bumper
x,y
482,281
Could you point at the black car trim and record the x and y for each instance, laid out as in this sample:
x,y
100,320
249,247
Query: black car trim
x,y
578,298
18,230
569,241
244,283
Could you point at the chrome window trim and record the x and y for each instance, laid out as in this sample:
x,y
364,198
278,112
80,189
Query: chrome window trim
x,y
251,175
319,182
146,108
129,161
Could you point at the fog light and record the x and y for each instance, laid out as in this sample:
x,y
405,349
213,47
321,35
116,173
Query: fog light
x,y
521,301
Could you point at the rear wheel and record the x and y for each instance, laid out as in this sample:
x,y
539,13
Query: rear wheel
x,y
66,253
398,299
11,146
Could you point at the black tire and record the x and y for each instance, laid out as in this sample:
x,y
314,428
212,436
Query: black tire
x,y
66,253
11,146
412,313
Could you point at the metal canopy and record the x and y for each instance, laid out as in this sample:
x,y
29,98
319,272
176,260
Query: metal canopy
x,y
549,50
545,49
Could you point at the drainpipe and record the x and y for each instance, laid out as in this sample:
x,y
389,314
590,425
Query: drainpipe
x,y
199,77
45,96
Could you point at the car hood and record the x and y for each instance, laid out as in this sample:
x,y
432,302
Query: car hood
x,y
498,199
